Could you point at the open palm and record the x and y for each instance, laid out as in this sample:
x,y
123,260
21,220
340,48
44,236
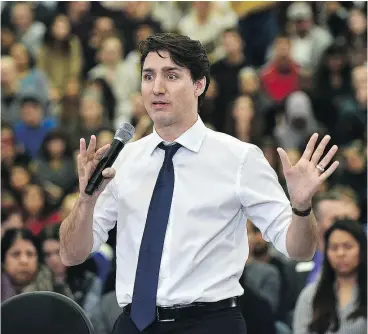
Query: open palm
x,y
305,177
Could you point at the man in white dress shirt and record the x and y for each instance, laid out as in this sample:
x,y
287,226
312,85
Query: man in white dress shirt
x,y
181,241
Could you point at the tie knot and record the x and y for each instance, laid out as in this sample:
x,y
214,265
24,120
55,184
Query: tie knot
x,y
170,150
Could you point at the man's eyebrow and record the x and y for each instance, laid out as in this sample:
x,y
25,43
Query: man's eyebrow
x,y
164,69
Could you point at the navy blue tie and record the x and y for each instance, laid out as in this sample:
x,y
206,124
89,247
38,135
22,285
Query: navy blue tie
x,y
143,308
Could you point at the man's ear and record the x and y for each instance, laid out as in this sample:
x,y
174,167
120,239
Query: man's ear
x,y
200,86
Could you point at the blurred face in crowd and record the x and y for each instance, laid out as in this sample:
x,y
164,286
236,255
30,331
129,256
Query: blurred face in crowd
x,y
56,147
138,107
104,137
359,77
51,249
111,51
61,28
20,56
8,71
22,16
232,42
335,62
7,38
249,83
91,110
33,199
302,26
212,90
343,253
357,22
243,110
104,27
202,8
19,177
80,7
328,211
32,113
14,220
282,48
21,262
144,31
169,94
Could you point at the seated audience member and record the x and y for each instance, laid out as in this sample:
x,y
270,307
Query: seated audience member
x,y
28,31
10,154
32,129
22,265
85,286
327,207
60,57
29,76
242,122
55,167
11,218
280,77
262,253
105,313
140,120
337,303
37,212
12,91
92,118
262,278
19,177
256,310
104,137
119,75
298,123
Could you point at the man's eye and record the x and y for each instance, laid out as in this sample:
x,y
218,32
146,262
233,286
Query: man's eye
x,y
147,76
172,76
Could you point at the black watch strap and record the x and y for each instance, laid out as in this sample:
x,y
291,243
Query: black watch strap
x,y
304,213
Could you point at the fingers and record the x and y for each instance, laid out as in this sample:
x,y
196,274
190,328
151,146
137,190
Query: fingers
x,y
91,147
328,157
82,146
99,154
324,176
310,147
286,164
108,173
320,149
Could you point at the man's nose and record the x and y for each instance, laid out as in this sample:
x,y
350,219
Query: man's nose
x,y
159,86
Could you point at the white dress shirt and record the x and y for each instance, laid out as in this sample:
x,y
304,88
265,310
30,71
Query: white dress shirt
x,y
219,182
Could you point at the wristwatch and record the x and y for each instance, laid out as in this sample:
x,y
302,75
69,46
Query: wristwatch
x,y
304,213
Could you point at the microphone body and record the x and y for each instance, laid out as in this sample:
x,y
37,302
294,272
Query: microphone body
x,y
122,136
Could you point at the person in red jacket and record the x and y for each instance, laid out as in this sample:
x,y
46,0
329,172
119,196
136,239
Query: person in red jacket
x,y
280,77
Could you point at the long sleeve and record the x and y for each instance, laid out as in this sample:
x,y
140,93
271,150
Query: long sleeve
x,y
303,310
263,199
75,59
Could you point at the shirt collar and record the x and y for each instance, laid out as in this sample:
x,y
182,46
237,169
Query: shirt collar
x,y
191,139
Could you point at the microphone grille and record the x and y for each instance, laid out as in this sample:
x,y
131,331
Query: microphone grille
x,y
125,132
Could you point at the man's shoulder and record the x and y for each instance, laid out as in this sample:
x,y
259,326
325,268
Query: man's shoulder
x,y
223,141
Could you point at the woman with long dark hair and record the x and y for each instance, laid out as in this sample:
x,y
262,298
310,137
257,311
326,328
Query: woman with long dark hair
x,y
337,303
60,57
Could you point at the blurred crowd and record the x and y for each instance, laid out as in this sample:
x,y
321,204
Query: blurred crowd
x,y
280,71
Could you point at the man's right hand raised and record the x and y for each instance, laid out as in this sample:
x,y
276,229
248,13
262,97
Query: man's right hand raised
x,y
87,161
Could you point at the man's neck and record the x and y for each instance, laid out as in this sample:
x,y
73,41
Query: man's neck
x,y
235,59
173,131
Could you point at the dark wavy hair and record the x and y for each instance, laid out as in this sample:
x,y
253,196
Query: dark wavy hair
x,y
183,51
12,235
324,304
56,134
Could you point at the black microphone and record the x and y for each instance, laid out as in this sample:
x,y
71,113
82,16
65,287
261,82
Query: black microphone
x,y
122,136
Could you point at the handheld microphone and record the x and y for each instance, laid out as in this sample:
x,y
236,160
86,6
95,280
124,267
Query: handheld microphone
x,y
122,136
